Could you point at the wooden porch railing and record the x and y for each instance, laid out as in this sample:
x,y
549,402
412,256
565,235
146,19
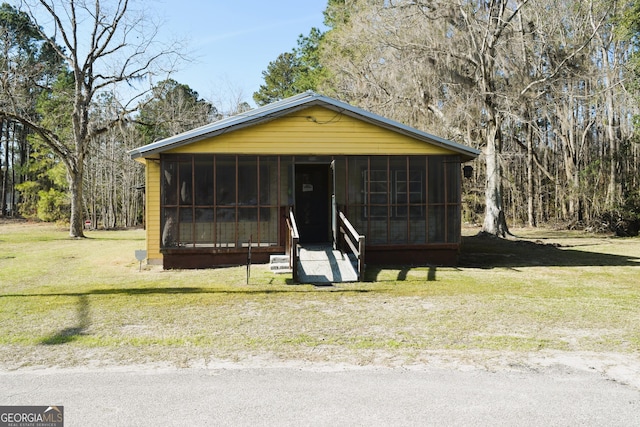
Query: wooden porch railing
x,y
291,244
353,240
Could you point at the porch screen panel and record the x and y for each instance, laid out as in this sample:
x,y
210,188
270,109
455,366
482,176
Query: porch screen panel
x,y
268,181
247,181
286,181
358,165
355,185
169,179
417,200
204,226
225,196
185,201
400,187
452,164
437,226
268,226
169,201
220,201
225,200
454,215
268,212
454,221
203,173
169,237
354,215
340,171
436,180
185,183
247,226
377,191
225,227
225,180
248,195
186,226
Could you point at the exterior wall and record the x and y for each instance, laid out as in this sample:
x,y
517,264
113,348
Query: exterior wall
x,y
315,130
152,220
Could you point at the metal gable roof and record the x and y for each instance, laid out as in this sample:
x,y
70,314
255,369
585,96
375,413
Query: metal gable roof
x,y
285,107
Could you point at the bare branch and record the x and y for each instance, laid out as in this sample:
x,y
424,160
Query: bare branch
x,y
562,65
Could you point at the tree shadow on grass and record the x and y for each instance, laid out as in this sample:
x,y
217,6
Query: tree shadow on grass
x,y
74,332
374,273
83,318
83,304
486,252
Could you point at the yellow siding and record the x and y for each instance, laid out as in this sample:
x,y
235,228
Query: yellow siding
x,y
153,212
316,131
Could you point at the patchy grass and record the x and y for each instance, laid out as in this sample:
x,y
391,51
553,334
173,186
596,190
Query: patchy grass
x,y
72,302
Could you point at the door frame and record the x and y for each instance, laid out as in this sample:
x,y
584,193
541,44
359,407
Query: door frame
x,y
331,193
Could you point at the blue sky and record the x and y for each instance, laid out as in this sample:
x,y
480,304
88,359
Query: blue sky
x,y
234,41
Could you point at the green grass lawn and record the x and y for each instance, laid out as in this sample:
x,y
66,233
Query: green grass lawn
x,y
71,302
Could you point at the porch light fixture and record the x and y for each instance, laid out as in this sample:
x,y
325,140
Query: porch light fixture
x,y
467,171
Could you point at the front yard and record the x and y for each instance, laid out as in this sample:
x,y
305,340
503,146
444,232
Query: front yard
x,y
73,303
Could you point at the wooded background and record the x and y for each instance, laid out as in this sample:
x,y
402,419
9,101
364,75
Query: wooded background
x,y
547,89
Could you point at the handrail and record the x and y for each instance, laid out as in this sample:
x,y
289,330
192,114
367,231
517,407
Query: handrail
x,y
291,244
351,237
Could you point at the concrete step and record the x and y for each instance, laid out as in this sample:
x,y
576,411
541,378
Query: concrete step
x,y
279,264
278,259
280,268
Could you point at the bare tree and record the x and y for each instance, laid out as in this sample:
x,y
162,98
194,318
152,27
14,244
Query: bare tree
x,y
538,85
456,55
103,43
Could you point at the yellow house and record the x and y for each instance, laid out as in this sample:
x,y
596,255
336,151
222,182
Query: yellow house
x,y
309,168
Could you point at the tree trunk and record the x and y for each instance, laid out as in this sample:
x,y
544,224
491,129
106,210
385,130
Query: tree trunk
x,y
76,226
609,49
495,222
531,213
614,189
4,168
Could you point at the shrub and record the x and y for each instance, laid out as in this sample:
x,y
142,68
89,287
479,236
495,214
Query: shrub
x,y
28,205
53,205
625,220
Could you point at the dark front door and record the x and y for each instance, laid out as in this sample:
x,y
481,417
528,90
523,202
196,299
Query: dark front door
x,y
312,203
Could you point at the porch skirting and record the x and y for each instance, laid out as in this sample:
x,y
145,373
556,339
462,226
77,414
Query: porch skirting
x,y
436,254
192,258
202,258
